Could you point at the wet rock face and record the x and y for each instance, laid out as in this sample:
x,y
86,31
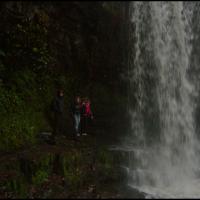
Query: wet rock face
x,y
70,169
85,43
82,42
45,137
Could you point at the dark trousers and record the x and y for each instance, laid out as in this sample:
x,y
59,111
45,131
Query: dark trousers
x,y
58,128
85,120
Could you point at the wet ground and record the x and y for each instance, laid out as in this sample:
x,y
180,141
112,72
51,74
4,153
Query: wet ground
x,y
81,168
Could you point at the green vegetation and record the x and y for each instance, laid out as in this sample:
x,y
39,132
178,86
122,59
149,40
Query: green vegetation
x,y
69,45
44,47
41,173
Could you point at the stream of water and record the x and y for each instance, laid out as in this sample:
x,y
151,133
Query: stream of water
x,y
163,141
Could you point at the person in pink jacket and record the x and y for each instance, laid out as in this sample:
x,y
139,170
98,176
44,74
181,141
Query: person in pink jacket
x,y
86,115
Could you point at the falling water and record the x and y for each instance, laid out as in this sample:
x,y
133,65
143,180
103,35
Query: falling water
x,y
164,144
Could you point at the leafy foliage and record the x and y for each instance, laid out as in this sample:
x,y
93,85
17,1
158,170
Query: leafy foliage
x,y
40,177
44,48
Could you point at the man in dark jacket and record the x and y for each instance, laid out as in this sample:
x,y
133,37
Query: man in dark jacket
x,y
58,109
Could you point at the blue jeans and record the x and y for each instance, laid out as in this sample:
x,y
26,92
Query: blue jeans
x,y
77,119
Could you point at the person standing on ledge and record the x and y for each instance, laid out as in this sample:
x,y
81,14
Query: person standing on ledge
x,y
58,109
87,116
76,112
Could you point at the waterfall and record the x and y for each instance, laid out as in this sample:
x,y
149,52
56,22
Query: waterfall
x,y
163,139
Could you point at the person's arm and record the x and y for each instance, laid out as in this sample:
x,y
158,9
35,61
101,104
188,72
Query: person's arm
x,y
54,105
71,109
91,113
82,109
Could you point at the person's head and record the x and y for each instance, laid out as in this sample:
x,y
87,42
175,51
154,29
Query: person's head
x,y
78,99
87,100
60,93
83,100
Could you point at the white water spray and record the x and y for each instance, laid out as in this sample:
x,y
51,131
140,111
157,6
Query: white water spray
x,y
168,167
